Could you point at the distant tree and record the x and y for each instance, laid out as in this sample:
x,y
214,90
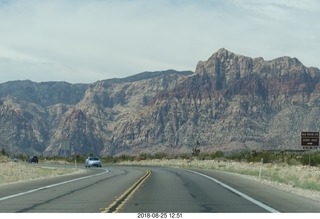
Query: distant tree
x,y
3,152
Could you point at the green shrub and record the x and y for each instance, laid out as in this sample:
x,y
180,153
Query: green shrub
x,y
3,152
293,162
310,159
185,156
160,155
239,155
217,154
266,156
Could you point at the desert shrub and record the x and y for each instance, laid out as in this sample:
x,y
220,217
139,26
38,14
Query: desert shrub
x,y
309,185
204,156
252,156
185,156
81,159
159,155
256,157
22,157
143,156
312,159
239,155
293,162
217,154
3,159
123,157
108,159
3,152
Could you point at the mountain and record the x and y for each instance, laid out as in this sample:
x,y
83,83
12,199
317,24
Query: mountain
x,y
44,93
230,102
52,117
107,106
30,112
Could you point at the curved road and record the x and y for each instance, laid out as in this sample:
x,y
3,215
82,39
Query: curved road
x,y
149,189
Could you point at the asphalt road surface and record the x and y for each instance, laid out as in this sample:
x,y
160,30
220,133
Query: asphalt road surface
x,y
149,189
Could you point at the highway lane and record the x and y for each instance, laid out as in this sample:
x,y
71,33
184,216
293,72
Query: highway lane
x,y
180,190
177,190
149,189
87,192
283,201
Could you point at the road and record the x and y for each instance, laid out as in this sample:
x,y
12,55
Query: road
x,y
149,189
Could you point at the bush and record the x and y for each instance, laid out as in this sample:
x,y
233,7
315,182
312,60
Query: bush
x,y
252,156
239,155
310,159
160,155
266,156
293,162
217,154
185,156
3,152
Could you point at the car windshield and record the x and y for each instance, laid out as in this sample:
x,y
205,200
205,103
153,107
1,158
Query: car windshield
x,y
93,158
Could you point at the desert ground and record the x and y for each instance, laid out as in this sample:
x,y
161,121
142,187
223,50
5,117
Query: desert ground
x,y
12,172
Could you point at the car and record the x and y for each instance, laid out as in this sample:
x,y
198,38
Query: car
x,y
33,159
93,161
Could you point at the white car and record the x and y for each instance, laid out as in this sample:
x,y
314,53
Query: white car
x,y
93,162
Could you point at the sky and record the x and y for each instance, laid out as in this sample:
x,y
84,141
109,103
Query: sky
x,y
83,41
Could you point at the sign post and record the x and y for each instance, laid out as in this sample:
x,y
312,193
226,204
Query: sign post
x,y
309,141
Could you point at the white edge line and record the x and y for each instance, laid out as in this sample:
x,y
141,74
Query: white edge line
x,y
50,186
266,207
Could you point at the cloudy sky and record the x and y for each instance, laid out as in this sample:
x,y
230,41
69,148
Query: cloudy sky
x,y
82,41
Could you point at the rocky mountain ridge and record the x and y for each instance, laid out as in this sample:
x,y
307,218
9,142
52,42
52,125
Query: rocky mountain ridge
x,y
230,102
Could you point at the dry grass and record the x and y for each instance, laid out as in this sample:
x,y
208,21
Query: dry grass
x,y
19,171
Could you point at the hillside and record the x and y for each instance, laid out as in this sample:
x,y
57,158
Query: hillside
x,y
230,102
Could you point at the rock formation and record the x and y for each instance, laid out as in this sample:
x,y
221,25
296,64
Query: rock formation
x,y
230,102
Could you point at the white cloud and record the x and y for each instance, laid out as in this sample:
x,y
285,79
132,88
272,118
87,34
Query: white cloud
x,y
89,40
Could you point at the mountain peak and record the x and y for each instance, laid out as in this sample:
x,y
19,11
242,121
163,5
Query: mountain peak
x,y
224,64
224,54
222,50
221,53
232,66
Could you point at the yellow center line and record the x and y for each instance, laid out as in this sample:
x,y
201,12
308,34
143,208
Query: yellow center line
x,y
121,200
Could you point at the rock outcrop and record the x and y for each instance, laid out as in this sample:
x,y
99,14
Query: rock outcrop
x,y
230,102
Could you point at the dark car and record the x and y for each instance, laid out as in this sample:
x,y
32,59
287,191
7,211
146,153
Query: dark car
x,y
33,159
14,159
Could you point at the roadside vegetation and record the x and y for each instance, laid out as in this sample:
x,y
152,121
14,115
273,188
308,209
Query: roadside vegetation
x,y
15,170
297,169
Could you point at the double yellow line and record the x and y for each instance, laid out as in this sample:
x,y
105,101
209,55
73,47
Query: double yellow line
x,y
121,200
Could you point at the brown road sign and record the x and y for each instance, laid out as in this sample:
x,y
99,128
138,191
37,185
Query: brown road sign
x,y
310,139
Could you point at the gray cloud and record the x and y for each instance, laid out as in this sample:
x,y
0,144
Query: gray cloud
x,y
90,40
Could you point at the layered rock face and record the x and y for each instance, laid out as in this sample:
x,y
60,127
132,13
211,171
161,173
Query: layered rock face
x,y
230,102
30,112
